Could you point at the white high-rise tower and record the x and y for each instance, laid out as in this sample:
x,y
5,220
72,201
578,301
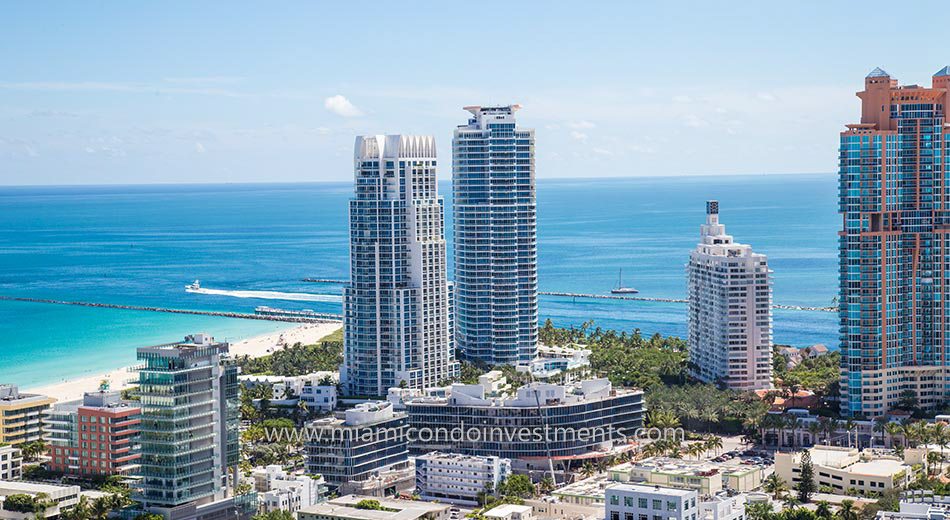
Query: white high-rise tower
x,y
496,242
730,309
396,305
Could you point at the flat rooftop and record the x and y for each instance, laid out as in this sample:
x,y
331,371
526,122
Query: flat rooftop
x,y
831,457
344,507
877,468
589,487
11,487
644,488
506,509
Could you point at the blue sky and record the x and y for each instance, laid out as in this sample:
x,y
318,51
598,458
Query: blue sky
x,y
145,92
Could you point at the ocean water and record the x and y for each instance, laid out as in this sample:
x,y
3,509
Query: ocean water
x,y
141,244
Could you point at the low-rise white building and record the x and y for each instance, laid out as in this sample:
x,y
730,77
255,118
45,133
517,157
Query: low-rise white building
x,y
320,398
509,512
345,508
61,498
842,468
919,505
318,389
458,479
635,501
552,361
722,507
11,463
708,478
278,490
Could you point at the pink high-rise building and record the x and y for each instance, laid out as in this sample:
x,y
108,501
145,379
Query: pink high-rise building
x,y
894,198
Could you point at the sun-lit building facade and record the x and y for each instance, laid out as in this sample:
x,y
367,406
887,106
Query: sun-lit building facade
x,y
396,319
496,245
894,199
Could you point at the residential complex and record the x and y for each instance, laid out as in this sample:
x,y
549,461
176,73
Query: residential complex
x,y
535,422
189,428
458,479
496,251
21,415
60,498
278,490
893,199
93,437
633,501
396,304
919,505
730,309
843,469
11,463
317,391
368,439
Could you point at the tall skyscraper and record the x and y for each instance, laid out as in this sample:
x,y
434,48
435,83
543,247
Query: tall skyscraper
x,y
894,198
396,305
730,309
496,245
189,426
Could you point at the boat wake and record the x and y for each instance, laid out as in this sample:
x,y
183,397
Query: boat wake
x,y
269,295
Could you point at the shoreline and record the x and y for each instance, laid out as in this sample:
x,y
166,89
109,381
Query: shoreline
x,y
257,346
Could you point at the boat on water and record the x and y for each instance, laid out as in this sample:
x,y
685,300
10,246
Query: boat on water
x,y
192,287
620,289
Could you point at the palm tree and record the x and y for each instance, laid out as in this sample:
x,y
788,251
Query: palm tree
x,y
894,430
847,510
546,485
849,427
775,485
587,470
880,426
663,419
80,511
714,443
814,428
101,507
696,449
823,510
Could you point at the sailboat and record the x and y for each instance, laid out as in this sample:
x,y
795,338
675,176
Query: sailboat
x,y
620,289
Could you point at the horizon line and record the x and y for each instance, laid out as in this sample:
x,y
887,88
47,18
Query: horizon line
x,y
271,183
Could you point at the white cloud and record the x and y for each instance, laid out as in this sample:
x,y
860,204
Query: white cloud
x,y
579,136
581,125
341,106
200,148
765,96
204,80
682,99
694,121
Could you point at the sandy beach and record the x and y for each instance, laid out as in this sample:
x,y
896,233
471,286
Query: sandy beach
x,y
257,346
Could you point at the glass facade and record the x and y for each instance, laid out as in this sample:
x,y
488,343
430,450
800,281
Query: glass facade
x,y
189,422
496,254
526,432
396,306
895,204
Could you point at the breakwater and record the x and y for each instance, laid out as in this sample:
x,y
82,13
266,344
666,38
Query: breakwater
x,y
625,298
323,280
239,315
673,300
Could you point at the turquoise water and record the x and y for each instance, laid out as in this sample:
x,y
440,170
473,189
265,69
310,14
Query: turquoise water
x,y
141,244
